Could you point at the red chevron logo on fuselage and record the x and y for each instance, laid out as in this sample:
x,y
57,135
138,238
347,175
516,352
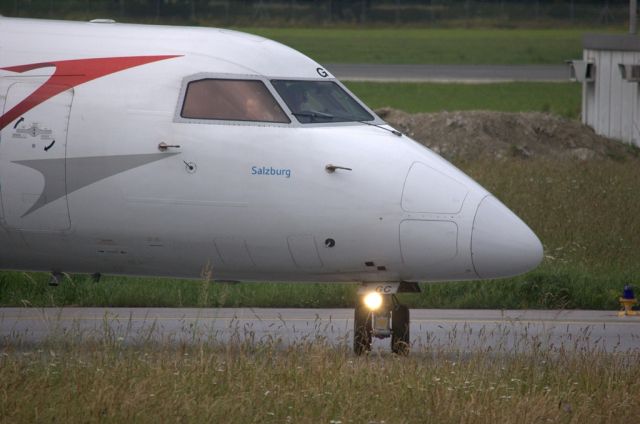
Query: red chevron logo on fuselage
x,y
69,74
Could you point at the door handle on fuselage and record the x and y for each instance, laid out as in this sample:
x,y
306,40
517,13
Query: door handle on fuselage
x,y
164,146
332,168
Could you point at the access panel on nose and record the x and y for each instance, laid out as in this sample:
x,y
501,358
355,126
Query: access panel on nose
x,y
427,190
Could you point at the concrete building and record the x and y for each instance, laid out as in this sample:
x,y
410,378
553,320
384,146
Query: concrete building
x,y
610,77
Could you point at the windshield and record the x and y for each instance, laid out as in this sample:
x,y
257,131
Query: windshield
x,y
320,101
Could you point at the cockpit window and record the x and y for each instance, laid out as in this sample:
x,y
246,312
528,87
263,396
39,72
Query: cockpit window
x,y
320,101
232,100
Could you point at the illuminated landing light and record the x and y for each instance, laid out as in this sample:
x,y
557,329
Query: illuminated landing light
x,y
373,301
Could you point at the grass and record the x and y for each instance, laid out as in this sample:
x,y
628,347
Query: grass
x,y
433,46
405,45
107,380
577,209
582,211
560,98
549,287
17,288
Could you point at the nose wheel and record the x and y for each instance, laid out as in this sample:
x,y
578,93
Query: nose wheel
x,y
400,336
383,317
362,329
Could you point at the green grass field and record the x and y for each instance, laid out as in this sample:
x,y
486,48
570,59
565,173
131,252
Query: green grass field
x,y
560,98
432,46
549,287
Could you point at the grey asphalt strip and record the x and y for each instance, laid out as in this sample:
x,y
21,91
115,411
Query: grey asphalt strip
x,y
449,73
458,330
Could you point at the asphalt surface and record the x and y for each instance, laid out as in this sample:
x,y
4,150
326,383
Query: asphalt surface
x,y
450,73
457,330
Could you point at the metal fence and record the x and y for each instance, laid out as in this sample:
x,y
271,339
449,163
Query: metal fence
x,y
496,13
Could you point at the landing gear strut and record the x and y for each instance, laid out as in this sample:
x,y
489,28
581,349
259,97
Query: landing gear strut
x,y
381,315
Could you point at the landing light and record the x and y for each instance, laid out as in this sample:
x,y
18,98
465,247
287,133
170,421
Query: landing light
x,y
373,300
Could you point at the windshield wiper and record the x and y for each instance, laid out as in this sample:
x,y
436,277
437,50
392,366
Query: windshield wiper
x,y
313,114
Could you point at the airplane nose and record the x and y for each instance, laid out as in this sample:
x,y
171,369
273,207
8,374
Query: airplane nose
x,y
501,244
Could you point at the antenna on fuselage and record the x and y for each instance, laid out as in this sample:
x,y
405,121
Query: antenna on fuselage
x,y
391,130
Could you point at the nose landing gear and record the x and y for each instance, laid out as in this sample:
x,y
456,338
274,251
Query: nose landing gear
x,y
400,336
362,329
381,315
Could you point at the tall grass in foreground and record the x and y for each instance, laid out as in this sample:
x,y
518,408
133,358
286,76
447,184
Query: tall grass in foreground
x,y
107,381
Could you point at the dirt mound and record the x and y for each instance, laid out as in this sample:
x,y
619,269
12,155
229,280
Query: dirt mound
x,y
463,136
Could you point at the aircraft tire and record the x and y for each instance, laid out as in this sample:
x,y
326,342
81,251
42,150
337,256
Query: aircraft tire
x,y
362,330
400,335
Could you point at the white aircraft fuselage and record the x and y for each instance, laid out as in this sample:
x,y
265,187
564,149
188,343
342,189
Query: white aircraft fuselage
x,y
106,166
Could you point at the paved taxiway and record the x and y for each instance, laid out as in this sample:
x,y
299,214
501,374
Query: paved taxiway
x,y
465,330
450,73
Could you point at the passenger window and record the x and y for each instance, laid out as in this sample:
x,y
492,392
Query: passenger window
x,y
231,100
